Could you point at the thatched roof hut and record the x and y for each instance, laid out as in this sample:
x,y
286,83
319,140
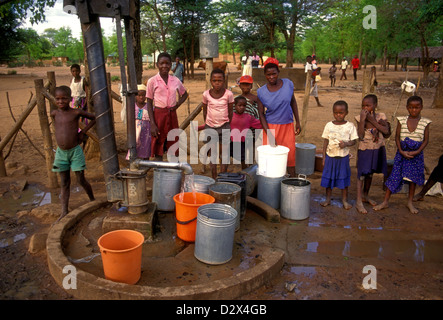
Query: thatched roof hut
x,y
415,53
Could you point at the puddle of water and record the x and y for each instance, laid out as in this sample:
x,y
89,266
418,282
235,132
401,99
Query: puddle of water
x,y
10,241
29,198
413,250
306,271
319,224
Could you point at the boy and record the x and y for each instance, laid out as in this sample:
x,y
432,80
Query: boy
x,y
69,155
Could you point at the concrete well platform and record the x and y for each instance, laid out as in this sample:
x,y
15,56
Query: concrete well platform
x,y
169,268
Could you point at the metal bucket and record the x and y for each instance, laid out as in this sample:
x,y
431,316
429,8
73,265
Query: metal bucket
x,y
166,184
269,190
238,179
214,238
251,178
295,198
228,193
201,184
305,155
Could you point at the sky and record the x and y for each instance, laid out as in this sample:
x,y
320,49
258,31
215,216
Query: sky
x,y
57,18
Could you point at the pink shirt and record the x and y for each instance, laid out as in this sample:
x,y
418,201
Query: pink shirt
x,y
242,122
217,111
164,95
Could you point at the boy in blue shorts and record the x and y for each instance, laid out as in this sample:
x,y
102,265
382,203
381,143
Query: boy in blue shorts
x,y
69,154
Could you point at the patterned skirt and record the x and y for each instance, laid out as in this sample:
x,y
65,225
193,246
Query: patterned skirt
x,y
411,169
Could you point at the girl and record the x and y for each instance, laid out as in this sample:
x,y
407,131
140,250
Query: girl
x,y
411,137
372,130
161,94
142,125
218,104
338,136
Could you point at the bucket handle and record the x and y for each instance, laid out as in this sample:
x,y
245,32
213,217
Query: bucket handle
x,y
302,176
185,222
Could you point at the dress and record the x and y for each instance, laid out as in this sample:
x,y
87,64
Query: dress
x,y
371,154
142,132
337,171
247,66
79,96
240,125
408,169
179,70
279,116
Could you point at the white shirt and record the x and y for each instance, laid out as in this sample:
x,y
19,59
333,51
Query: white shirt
x,y
336,133
344,64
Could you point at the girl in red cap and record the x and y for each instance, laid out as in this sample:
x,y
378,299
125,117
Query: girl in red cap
x,y
278,100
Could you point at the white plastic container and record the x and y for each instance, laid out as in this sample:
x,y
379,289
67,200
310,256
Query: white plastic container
x,y
272,161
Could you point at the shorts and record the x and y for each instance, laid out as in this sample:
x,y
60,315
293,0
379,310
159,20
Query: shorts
x,y
213,141
72,159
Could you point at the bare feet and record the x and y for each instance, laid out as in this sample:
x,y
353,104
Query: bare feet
x,y
325,203
418,197
369,200
411,208
381,206
360,208
346,205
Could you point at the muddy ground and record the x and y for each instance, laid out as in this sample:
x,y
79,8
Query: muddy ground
x,y
333,244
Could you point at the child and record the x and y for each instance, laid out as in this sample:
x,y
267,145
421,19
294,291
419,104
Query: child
x,y
142,125
78,89
314,87
338,136
245,84
69,155
436,176
411,137
161,93
372,130
240,124
217,112
332,71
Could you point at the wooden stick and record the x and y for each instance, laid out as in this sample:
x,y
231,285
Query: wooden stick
x,y
191,117
47,138
19,123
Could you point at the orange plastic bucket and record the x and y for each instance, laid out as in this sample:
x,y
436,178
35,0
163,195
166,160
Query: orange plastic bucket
x,y
186,213
121,252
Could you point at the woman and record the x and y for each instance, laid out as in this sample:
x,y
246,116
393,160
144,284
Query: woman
x,y
277,96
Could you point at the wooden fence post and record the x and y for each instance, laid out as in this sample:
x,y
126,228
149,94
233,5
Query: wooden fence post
x,y
47,138
51,89
304,116
2,164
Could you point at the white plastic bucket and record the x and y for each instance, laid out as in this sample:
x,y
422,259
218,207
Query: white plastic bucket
x,y
272,161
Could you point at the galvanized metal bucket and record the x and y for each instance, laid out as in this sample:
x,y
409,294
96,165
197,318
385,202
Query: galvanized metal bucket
x,y
201,184
269,190
166,184
230,194
305,155
214,238
295,198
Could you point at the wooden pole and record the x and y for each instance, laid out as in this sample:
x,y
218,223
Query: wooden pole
x,y
304,117
47,138
366,88
209,67
51,89
2,164
191,117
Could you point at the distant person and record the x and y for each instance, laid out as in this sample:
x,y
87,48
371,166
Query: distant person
x,y
338,136
178,69
314,59
315,72
355,65
372,130
344,66
241,122
69,154
247,64
255,60
161,93
412,137
78,89
436,176
332,71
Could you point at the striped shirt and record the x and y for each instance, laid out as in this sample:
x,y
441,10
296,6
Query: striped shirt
x,y
418,134
251,108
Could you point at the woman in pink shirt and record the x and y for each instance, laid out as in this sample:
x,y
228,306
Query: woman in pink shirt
x,y
218,104
162,104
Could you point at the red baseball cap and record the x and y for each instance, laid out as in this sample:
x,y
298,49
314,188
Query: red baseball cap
x,y
246,79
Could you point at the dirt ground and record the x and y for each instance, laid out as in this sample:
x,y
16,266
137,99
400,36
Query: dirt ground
x,y
29,208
